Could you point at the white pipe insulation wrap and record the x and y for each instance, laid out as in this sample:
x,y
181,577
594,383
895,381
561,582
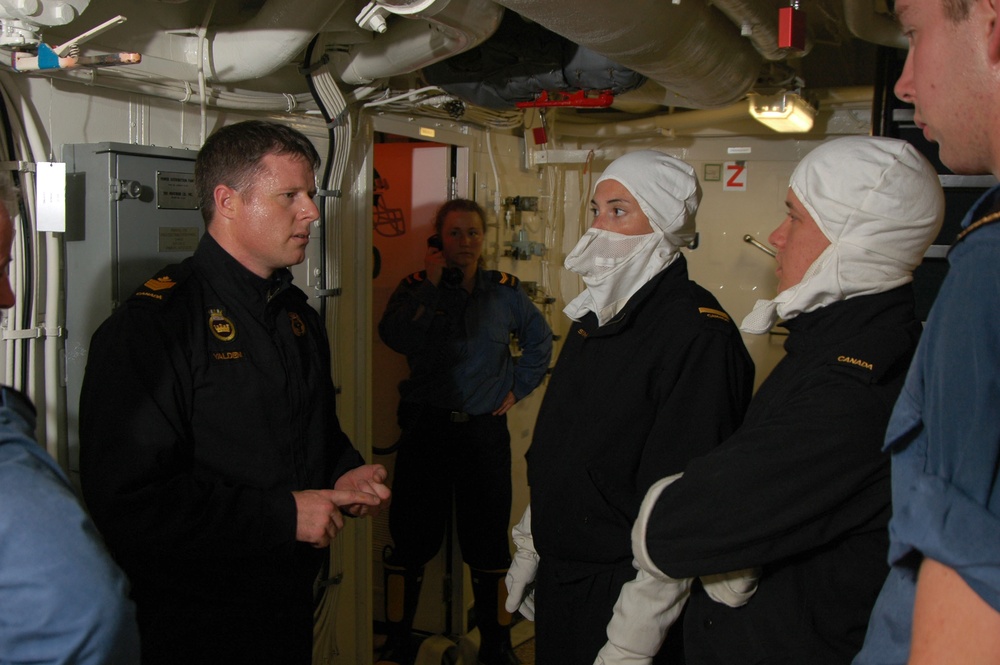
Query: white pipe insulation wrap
x,y
268,41
690,48
441,30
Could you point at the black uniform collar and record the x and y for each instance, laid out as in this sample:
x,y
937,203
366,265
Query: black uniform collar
x,y
834,323
230,276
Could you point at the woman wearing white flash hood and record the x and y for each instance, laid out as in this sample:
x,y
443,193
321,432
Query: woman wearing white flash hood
x,y
652,374
622,250
801,490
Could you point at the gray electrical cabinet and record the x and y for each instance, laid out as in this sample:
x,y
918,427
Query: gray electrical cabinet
x,y
131,210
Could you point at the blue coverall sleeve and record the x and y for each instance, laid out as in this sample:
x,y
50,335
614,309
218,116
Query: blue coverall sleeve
x,y
535,339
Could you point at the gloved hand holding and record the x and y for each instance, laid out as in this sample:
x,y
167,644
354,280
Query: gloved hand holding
x,y
733,589
646,608
648,605
521,575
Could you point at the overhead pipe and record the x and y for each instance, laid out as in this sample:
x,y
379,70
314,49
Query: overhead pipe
x,y
690,121
262,46
690,48
267,42
758,21
445,28
867,24
665,123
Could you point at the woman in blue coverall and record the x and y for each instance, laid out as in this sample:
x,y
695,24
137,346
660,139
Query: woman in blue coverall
x,y
453,321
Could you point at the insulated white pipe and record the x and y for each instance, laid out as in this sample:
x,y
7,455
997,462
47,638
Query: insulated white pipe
x,y
268,41
570,125
55,396
659,124
445,29
123,81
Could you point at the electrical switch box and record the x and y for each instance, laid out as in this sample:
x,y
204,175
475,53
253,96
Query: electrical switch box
x,y
131,210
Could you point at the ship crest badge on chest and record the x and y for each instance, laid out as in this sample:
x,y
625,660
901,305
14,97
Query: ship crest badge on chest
x,y
221,327
298,325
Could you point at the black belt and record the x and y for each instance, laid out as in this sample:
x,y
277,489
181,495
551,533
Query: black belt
x,y
447,414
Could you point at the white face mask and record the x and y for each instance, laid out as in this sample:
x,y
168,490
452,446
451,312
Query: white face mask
x,y
599,253
614,267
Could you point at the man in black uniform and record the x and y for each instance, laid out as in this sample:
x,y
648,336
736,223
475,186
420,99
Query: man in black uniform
x,y
209,434
800,491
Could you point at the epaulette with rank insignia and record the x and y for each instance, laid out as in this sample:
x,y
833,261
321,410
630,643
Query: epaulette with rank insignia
x,y
713,313
161,285
416,277
506,278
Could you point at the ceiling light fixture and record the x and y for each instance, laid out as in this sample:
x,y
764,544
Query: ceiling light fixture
x,y
783,112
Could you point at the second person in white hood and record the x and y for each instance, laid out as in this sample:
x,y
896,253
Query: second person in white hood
x,y
801,490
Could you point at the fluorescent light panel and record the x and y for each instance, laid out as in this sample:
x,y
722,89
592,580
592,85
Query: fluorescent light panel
x,y
784,112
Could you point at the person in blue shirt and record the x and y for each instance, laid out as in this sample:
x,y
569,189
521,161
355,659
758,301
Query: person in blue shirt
x,y
62,599
941,601
453,321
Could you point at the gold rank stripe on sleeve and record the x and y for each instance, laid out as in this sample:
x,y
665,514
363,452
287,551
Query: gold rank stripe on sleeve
x,y
506,279
713,313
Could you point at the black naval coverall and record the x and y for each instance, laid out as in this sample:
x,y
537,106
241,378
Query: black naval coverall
x,y
628,403
801,490
207,400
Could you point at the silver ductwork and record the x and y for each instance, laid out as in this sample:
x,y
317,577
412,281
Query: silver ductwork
x,y
256,54
267,42
415,40
690,48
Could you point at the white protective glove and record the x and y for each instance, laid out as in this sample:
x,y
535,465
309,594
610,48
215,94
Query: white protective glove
x,y
733,589
521,575
648,605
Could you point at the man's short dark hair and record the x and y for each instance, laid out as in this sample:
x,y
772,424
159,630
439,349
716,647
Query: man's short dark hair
x,y
231,156
957,10
461,205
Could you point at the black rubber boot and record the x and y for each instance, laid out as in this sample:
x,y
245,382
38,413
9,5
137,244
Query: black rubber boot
x,y
492,618
402,591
